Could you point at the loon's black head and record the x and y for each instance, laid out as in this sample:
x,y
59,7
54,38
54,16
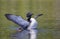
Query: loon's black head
x,y
29,15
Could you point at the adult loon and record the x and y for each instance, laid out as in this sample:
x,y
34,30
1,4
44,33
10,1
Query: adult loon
x,y
30,24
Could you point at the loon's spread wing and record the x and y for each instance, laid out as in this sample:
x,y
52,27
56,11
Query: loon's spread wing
x,y
18,20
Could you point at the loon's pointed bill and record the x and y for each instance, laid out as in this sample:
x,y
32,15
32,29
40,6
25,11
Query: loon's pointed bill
x,y
17,19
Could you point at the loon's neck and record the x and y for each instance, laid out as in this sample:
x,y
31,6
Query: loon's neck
x,y
29,19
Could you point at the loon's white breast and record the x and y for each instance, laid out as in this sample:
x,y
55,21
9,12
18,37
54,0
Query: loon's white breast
x,y
33,24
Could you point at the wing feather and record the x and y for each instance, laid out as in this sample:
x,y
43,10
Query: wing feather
x,y
17,19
